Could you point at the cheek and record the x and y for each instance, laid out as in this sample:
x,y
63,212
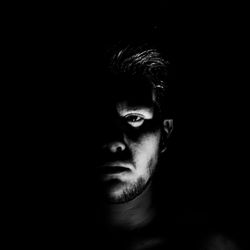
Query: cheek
x,y
146,149
150,128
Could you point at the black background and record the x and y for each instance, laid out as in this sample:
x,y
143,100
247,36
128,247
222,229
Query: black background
x,y
207,161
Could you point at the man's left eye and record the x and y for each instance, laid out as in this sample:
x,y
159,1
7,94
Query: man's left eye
x,y
134,120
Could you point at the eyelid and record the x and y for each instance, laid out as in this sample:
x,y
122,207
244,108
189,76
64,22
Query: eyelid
x,y
134,114
123,110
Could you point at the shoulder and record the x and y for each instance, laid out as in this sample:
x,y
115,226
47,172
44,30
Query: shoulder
x,y
219,242
201,238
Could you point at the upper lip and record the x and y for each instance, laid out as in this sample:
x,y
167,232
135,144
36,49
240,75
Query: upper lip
x,y
112,170
115,164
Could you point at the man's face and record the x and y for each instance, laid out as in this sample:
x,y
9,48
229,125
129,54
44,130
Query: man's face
x,y
129,144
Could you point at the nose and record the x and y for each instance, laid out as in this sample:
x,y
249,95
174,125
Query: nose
x,y
115,146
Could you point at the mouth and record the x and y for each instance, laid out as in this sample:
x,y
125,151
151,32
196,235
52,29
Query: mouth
x,y
113,169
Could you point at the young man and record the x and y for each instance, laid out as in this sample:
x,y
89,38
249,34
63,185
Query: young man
x,y
132,125
132,135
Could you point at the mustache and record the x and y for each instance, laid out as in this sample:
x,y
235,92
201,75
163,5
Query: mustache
x,y
105,156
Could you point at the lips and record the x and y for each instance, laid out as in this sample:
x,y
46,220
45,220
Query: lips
x,y
112,169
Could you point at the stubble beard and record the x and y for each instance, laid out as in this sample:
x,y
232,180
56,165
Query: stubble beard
x,y
131,190
128,193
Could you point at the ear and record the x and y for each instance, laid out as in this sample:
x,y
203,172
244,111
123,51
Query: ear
x,y
168,126
167,130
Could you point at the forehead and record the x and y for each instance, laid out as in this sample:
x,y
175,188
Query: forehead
x,y
130,92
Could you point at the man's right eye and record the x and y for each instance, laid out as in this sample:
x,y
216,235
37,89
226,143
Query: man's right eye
x,y
134,120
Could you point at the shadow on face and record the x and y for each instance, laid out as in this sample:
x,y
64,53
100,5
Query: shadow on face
x,y
126,133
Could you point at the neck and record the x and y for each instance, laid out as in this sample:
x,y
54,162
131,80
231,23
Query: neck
x,y
131,215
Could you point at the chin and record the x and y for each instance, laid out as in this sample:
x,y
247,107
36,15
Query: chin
x,y
114,193
120,192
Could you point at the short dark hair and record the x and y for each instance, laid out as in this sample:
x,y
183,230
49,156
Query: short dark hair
x,y
144,62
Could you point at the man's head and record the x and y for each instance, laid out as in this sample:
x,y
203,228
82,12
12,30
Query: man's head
x,y
133,126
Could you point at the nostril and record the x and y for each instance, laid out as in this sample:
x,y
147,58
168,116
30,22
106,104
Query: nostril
x,y
116,147
119,149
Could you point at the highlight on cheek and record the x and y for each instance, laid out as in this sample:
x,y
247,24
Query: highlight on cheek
x,y
148,139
